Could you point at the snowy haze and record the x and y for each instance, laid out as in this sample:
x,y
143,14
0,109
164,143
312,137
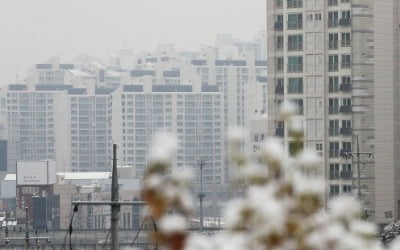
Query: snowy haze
x,y
33,31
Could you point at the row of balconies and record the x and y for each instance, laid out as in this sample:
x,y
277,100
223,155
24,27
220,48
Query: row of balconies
x,y
345,131
344,175
332,132
335,44
335,109
345,87
335,153
333,23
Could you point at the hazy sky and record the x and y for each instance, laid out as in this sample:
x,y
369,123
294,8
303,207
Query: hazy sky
x,y
32,31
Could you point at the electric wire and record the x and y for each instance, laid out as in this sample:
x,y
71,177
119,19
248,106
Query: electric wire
x,y
105,242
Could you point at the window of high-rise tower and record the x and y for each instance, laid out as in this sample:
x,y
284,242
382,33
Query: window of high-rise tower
x,y
295,21
294,3
332,2
295,85
333,19
346,61
295,64
333,41
295,42
346,39
333,63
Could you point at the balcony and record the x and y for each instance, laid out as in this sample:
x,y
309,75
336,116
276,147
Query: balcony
x,y
346,131
345,109
280,132
278,26
345,87
345,22
346,175
279,90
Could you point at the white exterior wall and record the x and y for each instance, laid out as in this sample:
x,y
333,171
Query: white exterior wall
x,y
320,112
386,88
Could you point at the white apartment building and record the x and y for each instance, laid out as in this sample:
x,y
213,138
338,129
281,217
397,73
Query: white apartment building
x,y
193,113
195,116
320,58
49,73
90,129
233,77
59,122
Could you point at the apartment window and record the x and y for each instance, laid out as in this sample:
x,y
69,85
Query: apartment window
x,y
295,21
347,189
333,63
345,18
346,148
346,80
333,41
333,84
346,101
345,1
346,167
295,64
346,39
333,106
295,42
279,64
332,2
295,85
278,22
279,86
333,149
333,127
333,17
279,42
333,190
294,3
334,172
279,4
346,61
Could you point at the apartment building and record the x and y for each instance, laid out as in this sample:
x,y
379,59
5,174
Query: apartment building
x,y
48,73
193,113
320,58
90,129
59,122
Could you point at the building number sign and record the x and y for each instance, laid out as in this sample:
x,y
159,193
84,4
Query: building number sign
x,y
388,214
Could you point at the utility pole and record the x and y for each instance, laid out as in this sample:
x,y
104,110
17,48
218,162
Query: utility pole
x,y
358,171
26,229
115,206
201,194
114,203
358,155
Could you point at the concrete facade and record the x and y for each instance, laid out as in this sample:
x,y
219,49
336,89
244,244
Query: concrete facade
x,y
320,58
